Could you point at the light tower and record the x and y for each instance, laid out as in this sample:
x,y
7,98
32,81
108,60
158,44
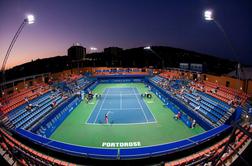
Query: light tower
x,y
209,16
30,19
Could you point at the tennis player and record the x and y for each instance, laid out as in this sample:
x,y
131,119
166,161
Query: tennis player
x,y
106,118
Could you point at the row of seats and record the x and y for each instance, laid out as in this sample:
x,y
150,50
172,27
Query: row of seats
x,y
210,109
43,128
170,74
70,77
19,99
14,115
41,107
223,93
78,84
20,92
25,155
169,84
216,116
212,152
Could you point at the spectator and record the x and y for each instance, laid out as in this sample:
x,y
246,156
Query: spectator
x,y
198,98
26,99
177,116
196,108
53,104
193,123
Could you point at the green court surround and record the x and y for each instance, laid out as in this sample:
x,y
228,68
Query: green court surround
x,y
75,130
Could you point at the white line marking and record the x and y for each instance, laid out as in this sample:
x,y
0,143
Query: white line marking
x,y
120,100
140,105
118,109
93,108
101,106
124,124
151,112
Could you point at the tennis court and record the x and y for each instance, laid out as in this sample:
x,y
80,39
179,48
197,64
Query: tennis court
x,y
76,129
123,106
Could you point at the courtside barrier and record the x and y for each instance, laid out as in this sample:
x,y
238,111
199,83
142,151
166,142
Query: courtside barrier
x,y
130,153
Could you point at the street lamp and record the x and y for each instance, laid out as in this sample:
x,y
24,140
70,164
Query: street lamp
x,y
30,19
154,52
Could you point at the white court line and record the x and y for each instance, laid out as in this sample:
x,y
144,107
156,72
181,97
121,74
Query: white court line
x,y
123,124
101,106
115,109
93,108
120,100
140,105
151,111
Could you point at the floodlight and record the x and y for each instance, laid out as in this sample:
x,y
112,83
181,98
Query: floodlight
x,y
30,19
93,49
147,48
208,14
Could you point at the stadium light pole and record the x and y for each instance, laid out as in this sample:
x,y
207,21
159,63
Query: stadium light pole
x,y
30,19
148,48
209,16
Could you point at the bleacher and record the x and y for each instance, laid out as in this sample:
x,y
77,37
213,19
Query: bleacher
x,y
207,155
212,107
53,119
24,118
15,151
78,84
212,110
222,93
215,113
15,100
170,74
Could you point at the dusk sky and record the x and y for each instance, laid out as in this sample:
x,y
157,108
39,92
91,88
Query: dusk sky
x,y
126,24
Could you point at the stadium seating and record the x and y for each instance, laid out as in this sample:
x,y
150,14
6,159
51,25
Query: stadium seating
x,y
223,93
208,108
24,118
211,109
211,152
42,117
11,102
27,155
78,84
170,74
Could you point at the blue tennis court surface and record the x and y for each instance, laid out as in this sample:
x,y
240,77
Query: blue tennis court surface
x,y
123,106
